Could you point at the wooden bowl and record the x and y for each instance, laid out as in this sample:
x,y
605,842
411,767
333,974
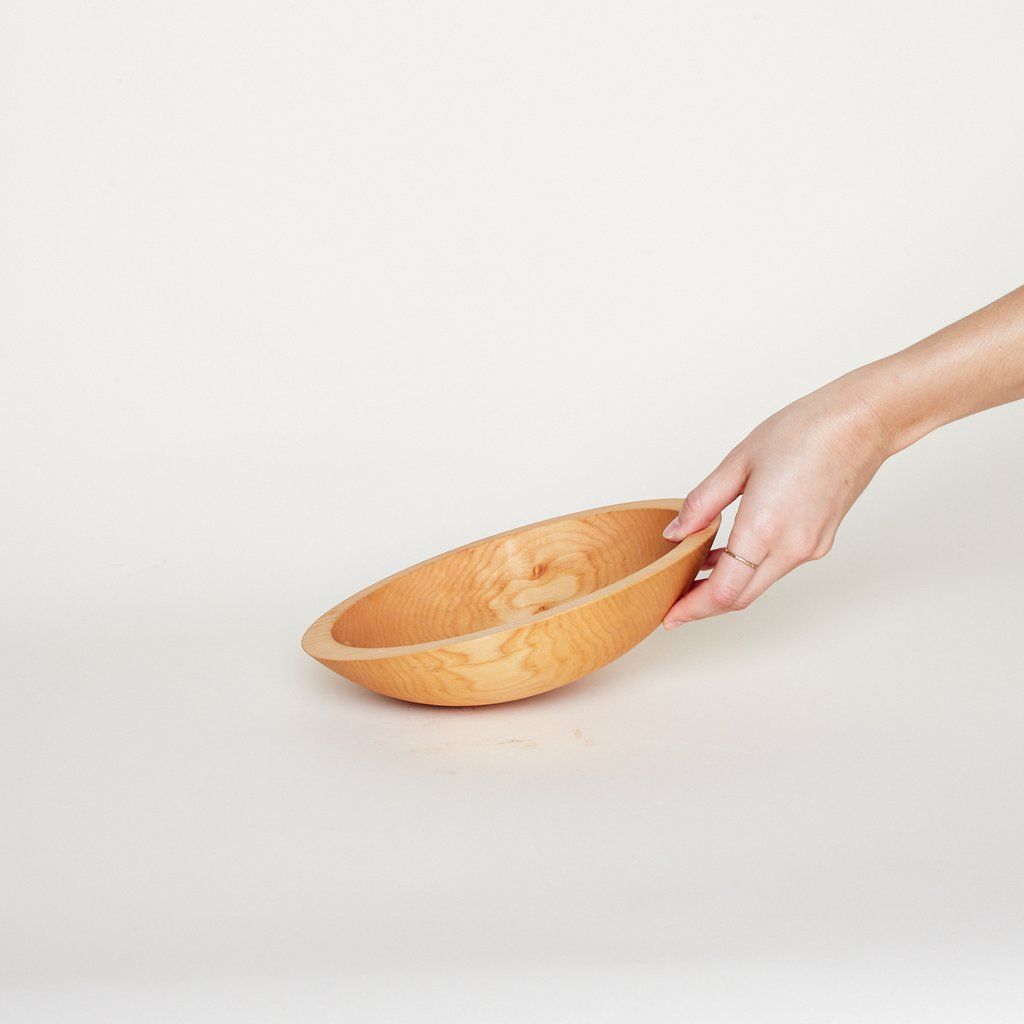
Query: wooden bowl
x,y
516,614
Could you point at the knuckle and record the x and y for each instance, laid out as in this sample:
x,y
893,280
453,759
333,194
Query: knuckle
x,y
765,528
694,501
803,542
725,596
822,548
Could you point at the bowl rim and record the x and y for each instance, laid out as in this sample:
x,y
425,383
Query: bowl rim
x,y
318,640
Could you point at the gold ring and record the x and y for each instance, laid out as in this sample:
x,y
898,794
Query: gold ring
x,y
741,559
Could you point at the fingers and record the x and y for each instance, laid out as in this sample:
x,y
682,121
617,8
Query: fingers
x,y
725,590
769,572
708,498
730,589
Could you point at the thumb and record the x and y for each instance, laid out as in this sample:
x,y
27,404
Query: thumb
x,y
708,498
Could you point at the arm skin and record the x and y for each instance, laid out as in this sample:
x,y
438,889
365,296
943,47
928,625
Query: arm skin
x,y
802,469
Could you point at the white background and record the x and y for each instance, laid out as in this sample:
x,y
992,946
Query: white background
x,y
297,294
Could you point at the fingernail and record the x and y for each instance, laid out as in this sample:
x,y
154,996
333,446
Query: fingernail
x,y
669,532
673,623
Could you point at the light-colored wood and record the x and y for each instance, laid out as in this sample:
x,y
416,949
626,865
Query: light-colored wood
x,y
515,614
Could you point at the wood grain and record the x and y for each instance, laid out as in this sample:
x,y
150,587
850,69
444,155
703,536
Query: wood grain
x,y
515,614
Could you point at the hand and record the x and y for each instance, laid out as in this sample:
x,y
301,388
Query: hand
x,y
799,472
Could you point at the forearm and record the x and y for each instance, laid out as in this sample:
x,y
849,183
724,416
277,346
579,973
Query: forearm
x,y
801,470
974,364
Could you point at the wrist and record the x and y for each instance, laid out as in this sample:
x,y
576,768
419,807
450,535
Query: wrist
x,y
890,396
863,415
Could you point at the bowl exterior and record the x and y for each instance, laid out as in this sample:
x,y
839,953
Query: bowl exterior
x,y
534,657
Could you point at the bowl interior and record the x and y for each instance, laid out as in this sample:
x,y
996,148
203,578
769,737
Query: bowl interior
x,y
505,580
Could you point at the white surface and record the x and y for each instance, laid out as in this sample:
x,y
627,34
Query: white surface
x,y
298,294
